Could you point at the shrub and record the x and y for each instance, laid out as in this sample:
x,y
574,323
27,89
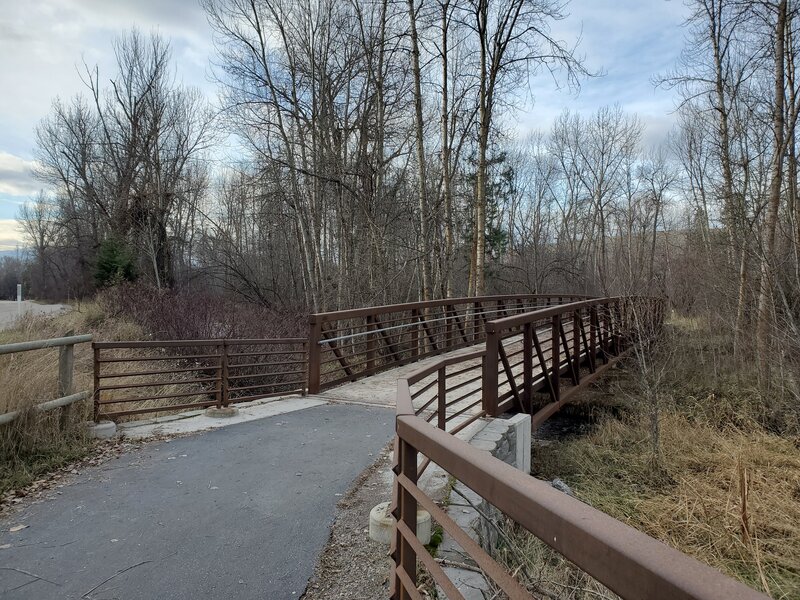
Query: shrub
x,y
114,263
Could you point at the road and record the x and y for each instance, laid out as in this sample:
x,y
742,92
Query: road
x,y
239,512
9,310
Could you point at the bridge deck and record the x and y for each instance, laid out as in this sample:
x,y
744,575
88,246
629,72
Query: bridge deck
x,y
381,389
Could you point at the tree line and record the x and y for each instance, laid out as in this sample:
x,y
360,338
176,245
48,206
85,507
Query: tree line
x,y
380,162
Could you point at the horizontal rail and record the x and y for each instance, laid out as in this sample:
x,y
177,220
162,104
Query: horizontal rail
x,y
448,318
42,344
390,308
212,342
48,405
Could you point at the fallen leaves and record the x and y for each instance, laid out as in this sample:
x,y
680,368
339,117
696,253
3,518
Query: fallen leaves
x,y
17,528
43,488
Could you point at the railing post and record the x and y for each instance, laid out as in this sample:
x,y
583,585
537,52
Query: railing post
x,y
555,352
490,363
576,344
415,334
314,354
603,322
304,391
370,343
66,361
96,383
476,321
225,387
593,325
448,313
220,378
527,363
406,511
442,398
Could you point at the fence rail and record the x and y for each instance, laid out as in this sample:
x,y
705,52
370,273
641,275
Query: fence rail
x,y
66,367
160,376
623,559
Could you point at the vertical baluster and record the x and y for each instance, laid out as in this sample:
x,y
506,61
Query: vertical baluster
x,y
555,353
576,345
442,398
527,358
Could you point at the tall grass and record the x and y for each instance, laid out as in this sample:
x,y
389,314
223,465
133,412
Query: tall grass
x,y
36,443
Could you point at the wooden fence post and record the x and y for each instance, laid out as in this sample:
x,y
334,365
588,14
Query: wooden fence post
x,y
66,362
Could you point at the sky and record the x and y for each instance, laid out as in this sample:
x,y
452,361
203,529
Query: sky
x,y
44,43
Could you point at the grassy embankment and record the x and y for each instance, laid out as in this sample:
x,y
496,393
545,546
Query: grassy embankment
x,y
35,443
724,486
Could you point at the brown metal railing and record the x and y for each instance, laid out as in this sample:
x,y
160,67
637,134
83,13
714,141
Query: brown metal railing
x,y
159,376
628,562
347,345
545,356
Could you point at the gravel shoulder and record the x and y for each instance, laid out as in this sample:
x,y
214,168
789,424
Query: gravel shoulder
x,y
352,565
9,313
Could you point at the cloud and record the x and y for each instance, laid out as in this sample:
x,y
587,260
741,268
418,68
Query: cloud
x,y
43,45
10,235
16,175
630,42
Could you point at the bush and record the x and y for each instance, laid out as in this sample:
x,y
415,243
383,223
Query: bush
x,y
195,315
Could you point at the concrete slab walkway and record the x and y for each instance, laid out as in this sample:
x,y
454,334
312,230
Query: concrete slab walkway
x,y
238,512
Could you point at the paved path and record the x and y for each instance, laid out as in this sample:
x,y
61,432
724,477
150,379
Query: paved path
x,y
239,512
9,310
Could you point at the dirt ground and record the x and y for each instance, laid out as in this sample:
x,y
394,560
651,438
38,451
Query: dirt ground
x,y
352,566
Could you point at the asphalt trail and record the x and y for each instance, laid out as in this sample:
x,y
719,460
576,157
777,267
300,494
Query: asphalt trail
x,y
239,512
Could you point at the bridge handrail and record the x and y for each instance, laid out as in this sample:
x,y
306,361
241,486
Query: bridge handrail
x,y
599,328
627,561
390,308
347,345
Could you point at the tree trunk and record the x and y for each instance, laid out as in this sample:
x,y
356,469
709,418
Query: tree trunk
x,y
766,288
425,257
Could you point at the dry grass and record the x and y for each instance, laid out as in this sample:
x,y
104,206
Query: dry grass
x,y
725,488
694,499
36,443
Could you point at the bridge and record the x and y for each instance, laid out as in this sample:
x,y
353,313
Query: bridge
x,y
440,365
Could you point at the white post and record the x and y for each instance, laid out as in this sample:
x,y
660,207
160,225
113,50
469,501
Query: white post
x,y
19,299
